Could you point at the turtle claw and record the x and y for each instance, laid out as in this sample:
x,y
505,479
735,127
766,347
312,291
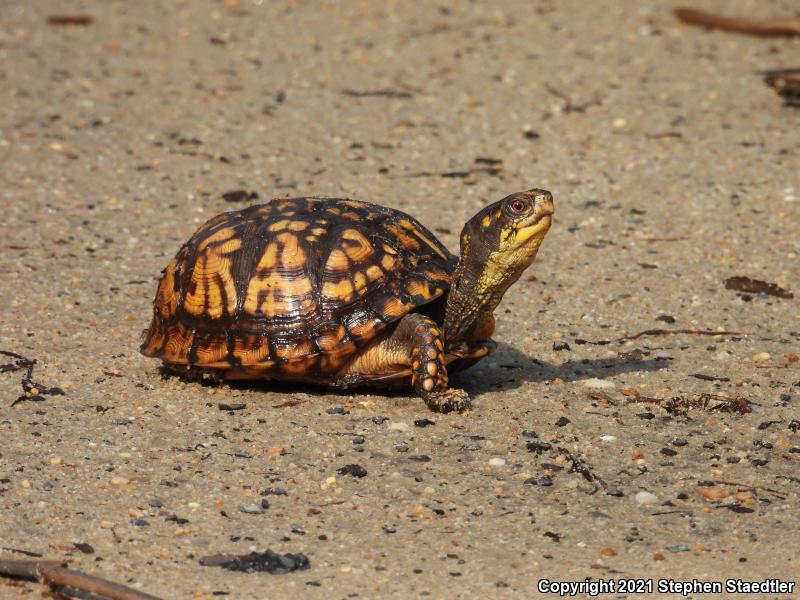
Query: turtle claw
x,y
450,400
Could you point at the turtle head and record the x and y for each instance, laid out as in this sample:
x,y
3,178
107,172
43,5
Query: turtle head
x,y
497,245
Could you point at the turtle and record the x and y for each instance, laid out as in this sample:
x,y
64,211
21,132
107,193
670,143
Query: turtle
x,y
342,293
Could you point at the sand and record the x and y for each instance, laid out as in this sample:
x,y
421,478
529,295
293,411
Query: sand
x,y
673,168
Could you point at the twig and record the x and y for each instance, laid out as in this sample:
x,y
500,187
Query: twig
x,y
779,494
578,466
21,551
53,574
680,405
568,105
786,82
636,336
396,94
766,27
31,390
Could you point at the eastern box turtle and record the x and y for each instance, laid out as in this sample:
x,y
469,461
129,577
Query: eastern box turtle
x,y
342,293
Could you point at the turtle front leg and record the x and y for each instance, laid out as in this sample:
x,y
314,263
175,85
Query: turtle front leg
x,y
425,342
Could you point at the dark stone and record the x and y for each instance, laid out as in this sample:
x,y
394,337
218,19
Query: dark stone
x,y
561,346
538,446
542,480
259,562
354,470
239,195
420,458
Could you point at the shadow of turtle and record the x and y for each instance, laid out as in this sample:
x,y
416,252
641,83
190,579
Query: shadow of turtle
x,y
509,368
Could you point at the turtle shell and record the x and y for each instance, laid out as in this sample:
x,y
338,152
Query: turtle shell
x,y
293,288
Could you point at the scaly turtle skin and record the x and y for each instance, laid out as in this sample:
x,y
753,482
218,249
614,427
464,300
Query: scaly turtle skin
x,y
341,292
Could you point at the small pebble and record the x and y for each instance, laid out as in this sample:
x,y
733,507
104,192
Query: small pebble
x,y
562,421
678,548
608,552
56,461
608,438
155,503
252,509
231,405
646,498
679,442
337,410
401,447
541,480
715,494
619,123
424,422
762,357
599,384
497,462
561,346
117,480
389,529
399,426
668,452
379,419
139,523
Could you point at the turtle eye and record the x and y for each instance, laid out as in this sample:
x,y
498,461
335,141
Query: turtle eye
x,y
518,207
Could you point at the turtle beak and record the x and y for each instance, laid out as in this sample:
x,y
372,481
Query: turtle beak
x,y
538,223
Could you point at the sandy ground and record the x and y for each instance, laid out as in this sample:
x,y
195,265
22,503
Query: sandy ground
x,y
673,168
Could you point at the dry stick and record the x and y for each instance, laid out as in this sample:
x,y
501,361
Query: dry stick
x,y
636,336
755,486
52,573
766,27
673,332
